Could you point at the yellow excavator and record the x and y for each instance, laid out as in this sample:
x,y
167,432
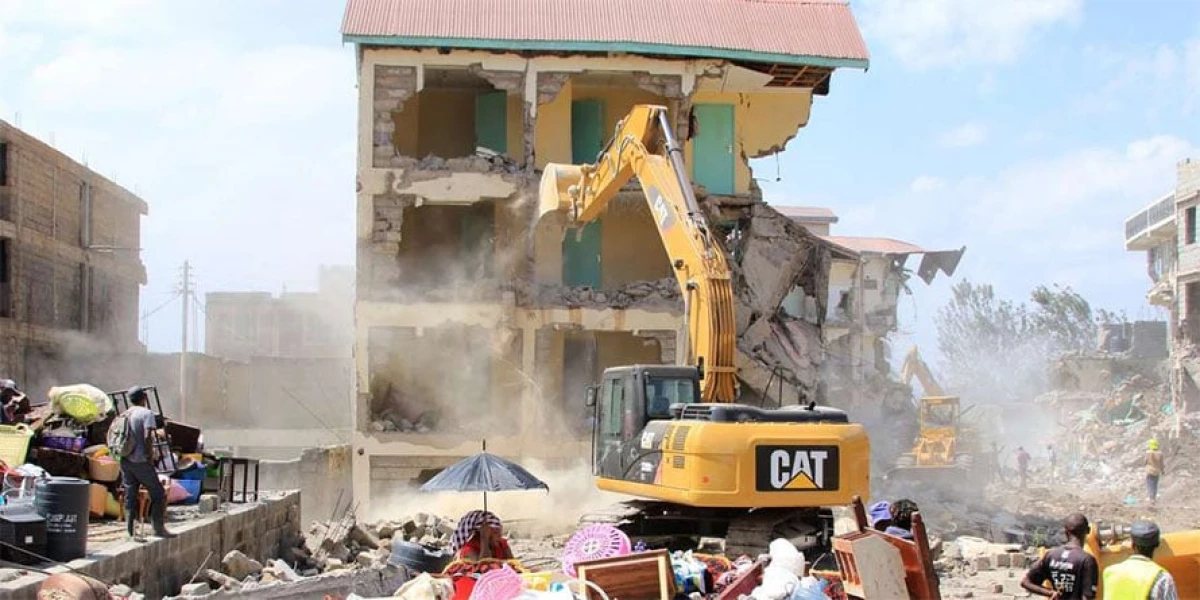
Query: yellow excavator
x,y
672,435
938,455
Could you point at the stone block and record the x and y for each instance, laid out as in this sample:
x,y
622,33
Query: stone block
x,y
982,563
1002,560
209,503
239,566
195,589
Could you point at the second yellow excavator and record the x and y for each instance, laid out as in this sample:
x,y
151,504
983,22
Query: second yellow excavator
x,y
672,435
940,454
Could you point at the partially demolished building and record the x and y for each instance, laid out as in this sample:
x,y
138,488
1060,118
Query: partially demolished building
x,y
1166,230
474,319
867,276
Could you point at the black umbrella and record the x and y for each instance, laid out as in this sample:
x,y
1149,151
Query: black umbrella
x,y
485,473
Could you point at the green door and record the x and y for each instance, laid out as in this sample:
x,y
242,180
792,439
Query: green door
x,y
581,256
491,121
581,249
587,130
712,148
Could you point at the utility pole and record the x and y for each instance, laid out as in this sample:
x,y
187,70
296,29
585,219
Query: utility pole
x,y
185,296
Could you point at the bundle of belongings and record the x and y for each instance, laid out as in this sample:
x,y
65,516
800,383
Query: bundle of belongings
x,y
68,436
483,566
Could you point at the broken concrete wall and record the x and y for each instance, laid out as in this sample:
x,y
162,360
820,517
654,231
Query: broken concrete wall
x,y
770,257
157,569
321,475
393,87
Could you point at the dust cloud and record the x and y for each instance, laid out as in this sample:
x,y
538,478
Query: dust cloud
x,y
532,513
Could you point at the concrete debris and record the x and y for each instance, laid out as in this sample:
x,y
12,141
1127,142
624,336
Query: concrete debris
x,y
239,566
661,293
482,162
773,258
195,589
208,503
222,580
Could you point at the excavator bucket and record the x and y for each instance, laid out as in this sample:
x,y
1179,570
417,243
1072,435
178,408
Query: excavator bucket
x,y
554,191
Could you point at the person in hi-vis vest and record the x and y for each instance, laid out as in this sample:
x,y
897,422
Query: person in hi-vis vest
x,y
1139,577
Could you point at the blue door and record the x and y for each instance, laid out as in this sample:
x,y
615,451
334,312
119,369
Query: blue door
x,y
712,148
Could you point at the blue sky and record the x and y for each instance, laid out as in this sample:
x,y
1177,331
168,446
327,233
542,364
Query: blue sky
x,y
1026,130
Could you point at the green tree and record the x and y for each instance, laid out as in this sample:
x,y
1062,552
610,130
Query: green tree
x,y
998,350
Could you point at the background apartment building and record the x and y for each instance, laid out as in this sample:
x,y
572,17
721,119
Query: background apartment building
x,y
70,265
867,275
473,318
320,324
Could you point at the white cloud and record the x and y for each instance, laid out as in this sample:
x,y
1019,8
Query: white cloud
x,y
1060,196
1041,221
926,183
964,136
1172,71
243,149
926,34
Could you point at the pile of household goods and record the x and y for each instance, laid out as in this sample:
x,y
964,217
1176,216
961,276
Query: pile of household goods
x,y
599,562
61,445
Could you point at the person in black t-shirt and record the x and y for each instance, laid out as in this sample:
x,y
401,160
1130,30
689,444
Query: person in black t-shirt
x,y
1071,572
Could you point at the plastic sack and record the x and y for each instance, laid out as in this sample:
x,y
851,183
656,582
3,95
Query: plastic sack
x,y
175,492
778,583
810,588
785,555
82,402
425,587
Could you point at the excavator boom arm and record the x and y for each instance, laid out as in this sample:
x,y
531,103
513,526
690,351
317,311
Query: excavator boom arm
x,y
914,365
697,261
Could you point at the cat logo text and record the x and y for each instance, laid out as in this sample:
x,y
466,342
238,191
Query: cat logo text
x,y
796,468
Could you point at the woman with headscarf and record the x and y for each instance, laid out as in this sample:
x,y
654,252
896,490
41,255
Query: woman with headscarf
x,y
479,536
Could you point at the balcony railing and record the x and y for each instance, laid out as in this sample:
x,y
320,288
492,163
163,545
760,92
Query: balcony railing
x,y
1163,210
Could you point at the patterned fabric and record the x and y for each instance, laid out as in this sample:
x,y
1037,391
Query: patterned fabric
x,y
469,525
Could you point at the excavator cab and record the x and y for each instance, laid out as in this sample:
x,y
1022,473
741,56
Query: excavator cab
x,y
627,399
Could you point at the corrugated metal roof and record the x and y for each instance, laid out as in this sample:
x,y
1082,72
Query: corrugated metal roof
x,y
733,28
878,245
818,214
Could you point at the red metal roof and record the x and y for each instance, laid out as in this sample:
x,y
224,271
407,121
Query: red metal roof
x,y
791,28
874,244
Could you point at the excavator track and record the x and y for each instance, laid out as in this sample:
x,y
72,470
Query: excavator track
x,y
662,524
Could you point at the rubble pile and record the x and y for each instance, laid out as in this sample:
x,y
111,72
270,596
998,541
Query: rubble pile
x,y
390,421
483,161
647,294
1102,435
772,259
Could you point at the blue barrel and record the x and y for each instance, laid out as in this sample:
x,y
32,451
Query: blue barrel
x,y
64,503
